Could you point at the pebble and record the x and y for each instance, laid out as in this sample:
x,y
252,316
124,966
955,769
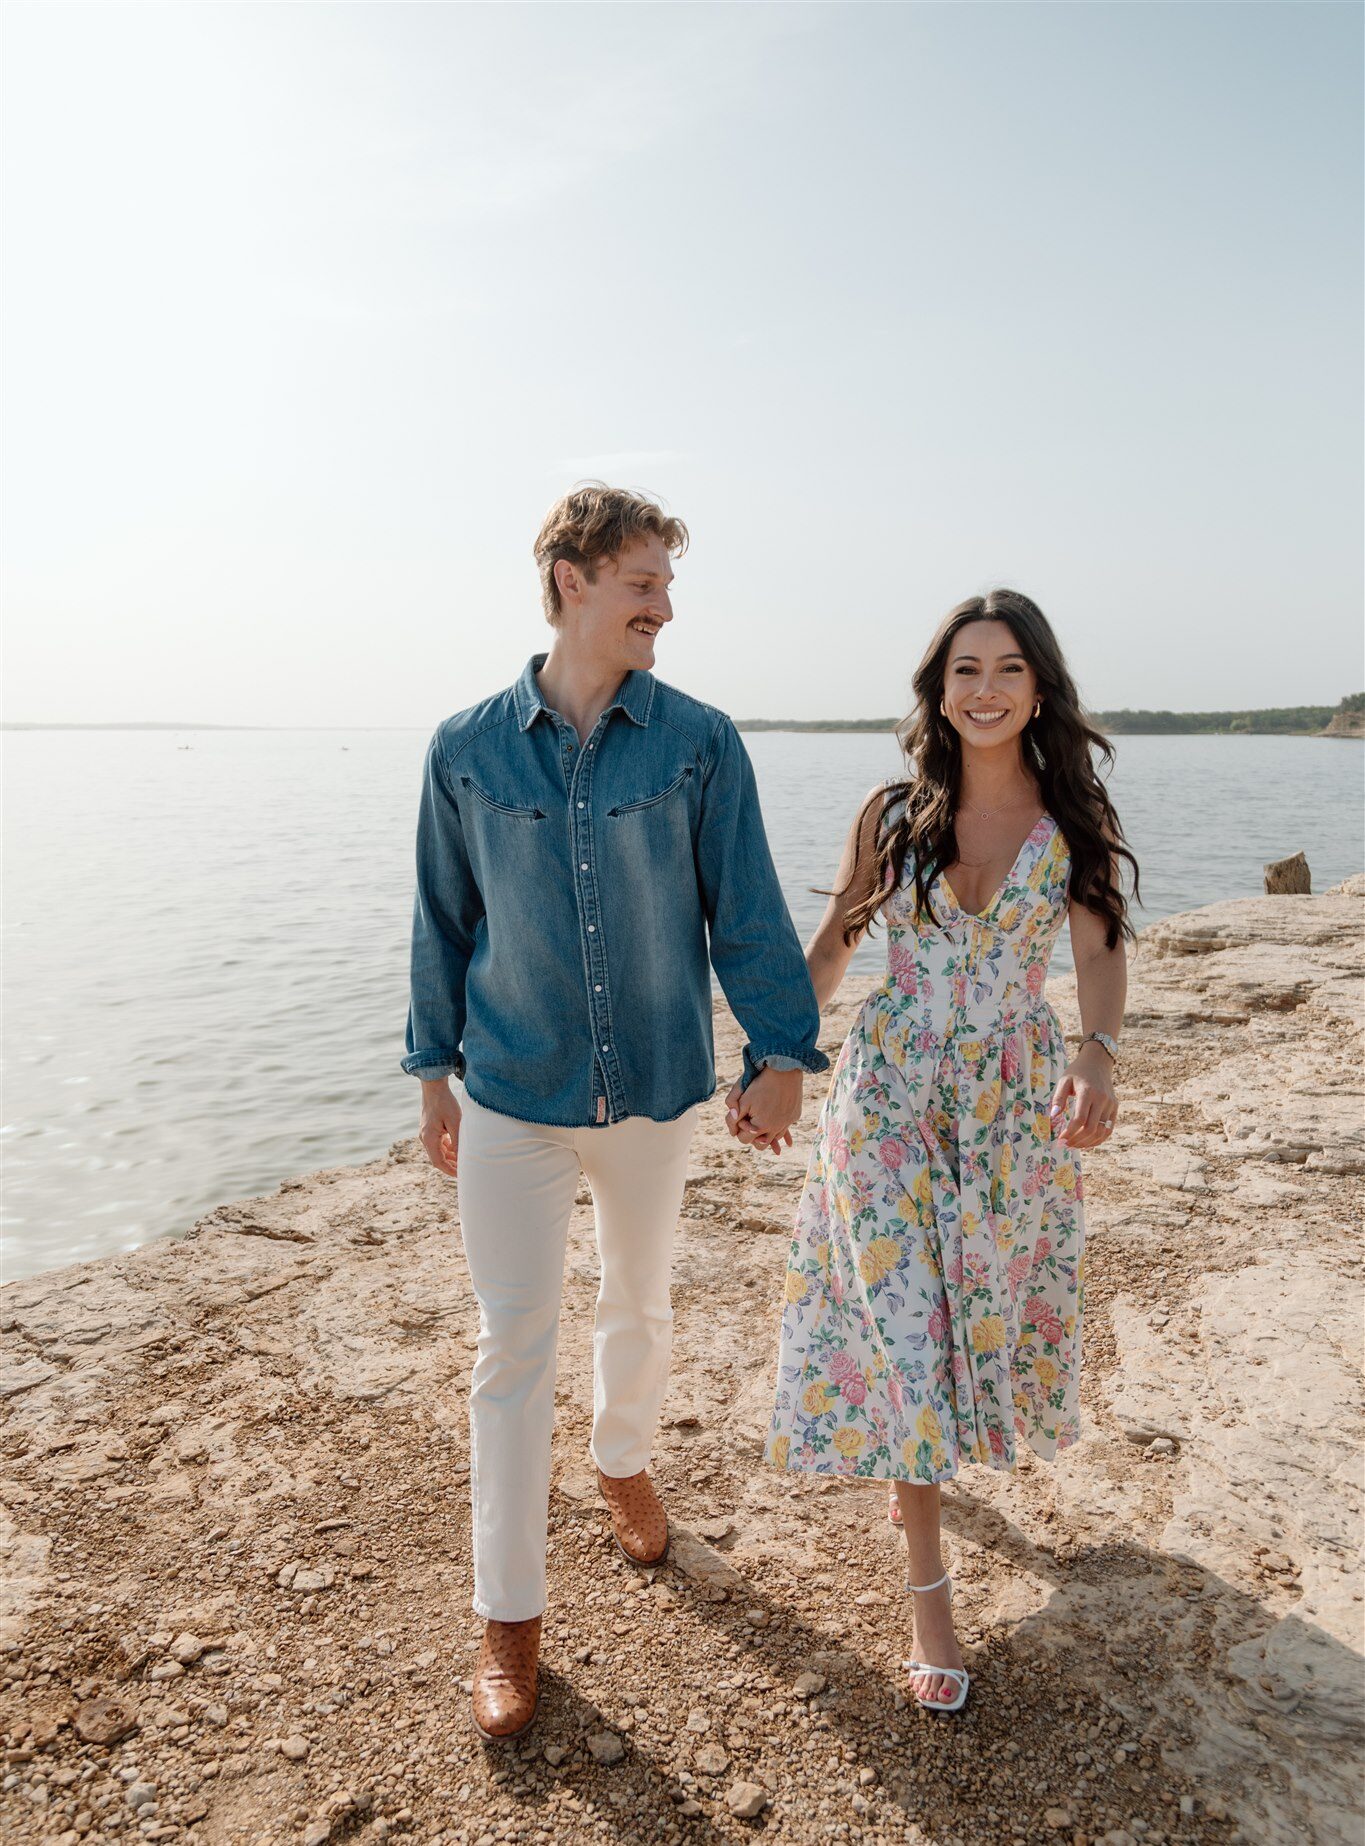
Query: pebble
x,y
555,1754
715,1529
186,1648
295,1748
712,1760
1056,1818
606,1747
809,1686
104,1721
746,1800
698,1721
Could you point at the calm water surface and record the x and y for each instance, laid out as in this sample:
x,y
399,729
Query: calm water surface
x,y
205,938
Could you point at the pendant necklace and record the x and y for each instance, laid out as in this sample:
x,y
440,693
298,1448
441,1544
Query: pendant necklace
x,y
985,813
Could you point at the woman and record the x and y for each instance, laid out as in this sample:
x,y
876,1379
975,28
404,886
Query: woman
x,y
933,1296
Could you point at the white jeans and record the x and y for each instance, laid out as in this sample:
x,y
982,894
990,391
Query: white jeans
x,y
517,1182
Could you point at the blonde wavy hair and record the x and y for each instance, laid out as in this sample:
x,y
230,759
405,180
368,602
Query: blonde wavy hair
x,y
595,523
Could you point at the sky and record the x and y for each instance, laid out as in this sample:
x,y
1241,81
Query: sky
x,y
309,312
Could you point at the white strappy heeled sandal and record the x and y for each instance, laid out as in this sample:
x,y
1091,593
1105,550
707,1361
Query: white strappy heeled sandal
x,y
919,1666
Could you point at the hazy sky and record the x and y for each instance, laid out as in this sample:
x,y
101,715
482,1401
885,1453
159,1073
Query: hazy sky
x,y
311,310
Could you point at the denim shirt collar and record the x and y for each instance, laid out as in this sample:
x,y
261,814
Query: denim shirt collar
x,y
634,696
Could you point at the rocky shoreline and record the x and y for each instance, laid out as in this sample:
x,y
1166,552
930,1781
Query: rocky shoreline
x,y
235,1535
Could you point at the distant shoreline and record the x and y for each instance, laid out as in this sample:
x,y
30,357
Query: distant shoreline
x,y
1119,724
1300,721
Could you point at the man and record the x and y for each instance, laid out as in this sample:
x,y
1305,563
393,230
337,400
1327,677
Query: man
x,y
585,839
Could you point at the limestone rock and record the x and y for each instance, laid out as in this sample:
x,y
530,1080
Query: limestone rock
x,y
606,1747
105,1720
746,1800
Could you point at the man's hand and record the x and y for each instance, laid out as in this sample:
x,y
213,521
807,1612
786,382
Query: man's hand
x,y
762,1115
439,1132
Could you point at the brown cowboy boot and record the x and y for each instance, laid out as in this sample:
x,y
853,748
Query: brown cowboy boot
x,y
505,1678
638,1520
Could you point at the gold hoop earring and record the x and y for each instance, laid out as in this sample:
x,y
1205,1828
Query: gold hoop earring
x,y
1037,707
943,708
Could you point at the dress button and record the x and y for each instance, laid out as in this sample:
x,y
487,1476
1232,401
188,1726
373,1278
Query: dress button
x,y
606,1047
592,929
584,866
598,988
580,804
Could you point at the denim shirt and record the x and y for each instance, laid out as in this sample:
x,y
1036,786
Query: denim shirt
x,y
568,895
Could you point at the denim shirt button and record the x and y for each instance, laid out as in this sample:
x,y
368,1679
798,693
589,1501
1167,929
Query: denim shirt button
x,y
584,866
592,928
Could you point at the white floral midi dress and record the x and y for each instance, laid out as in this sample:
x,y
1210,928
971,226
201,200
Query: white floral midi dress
x,y
933,1290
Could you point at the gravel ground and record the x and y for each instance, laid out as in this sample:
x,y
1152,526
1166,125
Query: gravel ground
x,y
235,1529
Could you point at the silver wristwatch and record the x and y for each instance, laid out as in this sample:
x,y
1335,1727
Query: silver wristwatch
x,y
1110,1043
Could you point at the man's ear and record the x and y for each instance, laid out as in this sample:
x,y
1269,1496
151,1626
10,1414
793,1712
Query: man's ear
x,y
568,581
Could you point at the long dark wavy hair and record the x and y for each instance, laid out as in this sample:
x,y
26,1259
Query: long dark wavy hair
x,y
1059,750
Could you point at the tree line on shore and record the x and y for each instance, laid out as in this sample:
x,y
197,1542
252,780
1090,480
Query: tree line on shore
x,y
1291,720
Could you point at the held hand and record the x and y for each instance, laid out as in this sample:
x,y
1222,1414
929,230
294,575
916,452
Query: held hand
x,y
439,1131
1087,1084
762,1115
744,1131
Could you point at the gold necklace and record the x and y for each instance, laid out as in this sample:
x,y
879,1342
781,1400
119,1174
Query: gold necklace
x,y
985,813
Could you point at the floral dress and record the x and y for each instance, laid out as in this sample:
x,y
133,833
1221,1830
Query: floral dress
x,y
933,1291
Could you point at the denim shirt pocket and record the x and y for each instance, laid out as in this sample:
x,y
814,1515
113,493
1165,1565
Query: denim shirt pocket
x,y
500,807
679,781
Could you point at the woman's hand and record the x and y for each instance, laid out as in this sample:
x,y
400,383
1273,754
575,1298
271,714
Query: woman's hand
x,y
761,1116
1088,1085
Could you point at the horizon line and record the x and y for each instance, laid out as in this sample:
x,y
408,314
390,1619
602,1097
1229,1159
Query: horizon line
x,y
161,724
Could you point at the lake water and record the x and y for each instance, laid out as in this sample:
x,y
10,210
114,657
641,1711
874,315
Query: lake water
x,y
205,938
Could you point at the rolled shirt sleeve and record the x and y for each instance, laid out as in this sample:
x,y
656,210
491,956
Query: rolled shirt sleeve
x,y
446,913
754,947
